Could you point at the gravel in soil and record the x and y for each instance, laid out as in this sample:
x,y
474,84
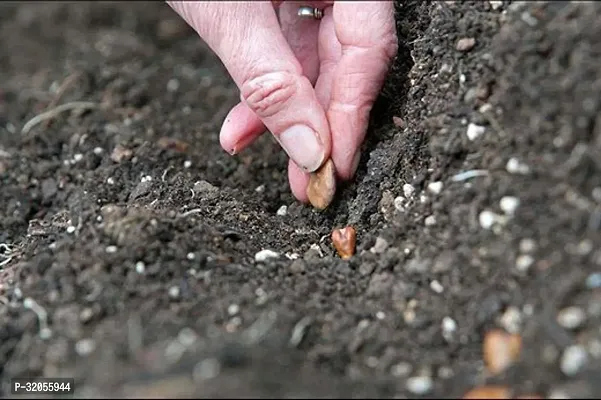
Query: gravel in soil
x,y
140,259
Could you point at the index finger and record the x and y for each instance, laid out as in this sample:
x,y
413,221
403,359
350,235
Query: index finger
x,y
367,34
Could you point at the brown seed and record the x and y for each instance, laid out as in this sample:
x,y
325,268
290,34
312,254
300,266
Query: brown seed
x,y
500,350
488,392
322,186
344,241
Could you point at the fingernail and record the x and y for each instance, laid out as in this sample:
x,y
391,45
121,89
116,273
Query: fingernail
x,y
303,146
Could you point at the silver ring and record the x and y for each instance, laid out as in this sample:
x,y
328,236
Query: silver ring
x,y
310,12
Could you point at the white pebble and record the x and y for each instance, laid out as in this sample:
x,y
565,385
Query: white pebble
x,y
71,229
380,315
523,262
572,360
435,187
511,320
527,245
430,220
571,317
111,249
110,181
174,292
187,164
172,85
77,157
140,267
449,326
264,255
509,204
190,256
233,309
419,384
399,203
487,219
98,150
514,166
408,190
84,347
401,369
436,286
474,131
423,199
283,210
496,4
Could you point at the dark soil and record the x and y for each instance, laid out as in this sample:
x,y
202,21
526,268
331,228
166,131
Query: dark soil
x,y
151,288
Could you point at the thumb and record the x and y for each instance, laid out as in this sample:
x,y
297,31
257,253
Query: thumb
x,y
246,36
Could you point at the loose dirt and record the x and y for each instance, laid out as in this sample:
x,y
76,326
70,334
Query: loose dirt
x,y
129,238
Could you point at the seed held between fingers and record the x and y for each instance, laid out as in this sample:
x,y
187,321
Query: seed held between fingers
x,y
322,186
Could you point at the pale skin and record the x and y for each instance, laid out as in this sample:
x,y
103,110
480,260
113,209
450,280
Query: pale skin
x,y
311,83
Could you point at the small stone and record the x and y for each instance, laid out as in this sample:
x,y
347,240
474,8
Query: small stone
x,y
449,327
419,384
496,4
70,229
515,166
430,220
511,320
398,122
474,131
399,203
84,347
465,44
187,164
140,267
527,245
282,211
401,369
523,262
233,309
408,190
120,154
172,85
380,246
190,256
435,187
436,286
509,204
206,369
174,292
111,249
593,281
571,317
573,359
266,254
487,219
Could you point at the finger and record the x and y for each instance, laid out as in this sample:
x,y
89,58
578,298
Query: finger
x,y
299,180
329,53
242,127
367,34
266,71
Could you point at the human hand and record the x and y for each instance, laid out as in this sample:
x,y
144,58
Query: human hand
x,y
311,83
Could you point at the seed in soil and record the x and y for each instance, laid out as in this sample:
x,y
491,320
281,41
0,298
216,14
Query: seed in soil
x,y
344,241
322,186
435,187
488,392
419,384
500,350
265,254
465,44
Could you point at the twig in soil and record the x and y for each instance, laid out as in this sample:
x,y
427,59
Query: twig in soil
x,y
299,331
42,315
190,212
473,173
55,112
68,82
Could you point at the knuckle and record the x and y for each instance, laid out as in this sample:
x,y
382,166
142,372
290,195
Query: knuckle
x,y
268,94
